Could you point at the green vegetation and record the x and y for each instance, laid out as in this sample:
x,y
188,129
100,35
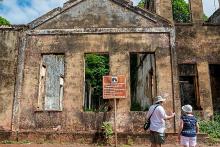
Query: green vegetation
x,y
205,18
136,106
141,4
107,131
130,141
96,67
15,142
181,11
211,127
3,21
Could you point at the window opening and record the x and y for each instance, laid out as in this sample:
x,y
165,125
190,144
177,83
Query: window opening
x,y
96,66
142,75
145,4
51,82
214,70
189,85
181,11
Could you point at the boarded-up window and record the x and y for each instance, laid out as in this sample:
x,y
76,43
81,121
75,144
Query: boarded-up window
x,y
51,82
189,85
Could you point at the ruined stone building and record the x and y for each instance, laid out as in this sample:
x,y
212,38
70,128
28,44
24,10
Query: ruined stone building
x,y
42,71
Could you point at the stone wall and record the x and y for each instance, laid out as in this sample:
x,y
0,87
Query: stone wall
x,y
74,47
9,39
199,44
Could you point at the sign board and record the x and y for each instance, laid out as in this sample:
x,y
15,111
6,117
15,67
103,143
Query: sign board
x,y
114,87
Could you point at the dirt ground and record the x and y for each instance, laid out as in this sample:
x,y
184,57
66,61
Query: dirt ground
x,y
84,145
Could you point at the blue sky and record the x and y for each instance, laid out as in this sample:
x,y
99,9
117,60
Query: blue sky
x,y
24,11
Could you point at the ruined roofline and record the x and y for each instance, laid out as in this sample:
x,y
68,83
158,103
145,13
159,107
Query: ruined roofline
x,y
71,3
14,27
213,16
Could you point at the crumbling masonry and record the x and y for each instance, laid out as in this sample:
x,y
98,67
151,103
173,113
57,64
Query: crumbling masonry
x,y
42,66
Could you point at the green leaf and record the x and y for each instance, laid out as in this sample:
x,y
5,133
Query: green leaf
x,y
3,21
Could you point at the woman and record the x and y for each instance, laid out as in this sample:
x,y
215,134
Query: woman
x,y
157,126
188,127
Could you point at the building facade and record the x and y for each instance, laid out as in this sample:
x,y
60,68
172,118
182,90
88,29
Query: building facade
x,y
42,71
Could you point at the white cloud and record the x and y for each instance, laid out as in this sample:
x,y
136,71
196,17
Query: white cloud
x,y
210,6
23,15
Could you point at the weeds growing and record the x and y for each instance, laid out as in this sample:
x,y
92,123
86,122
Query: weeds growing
x,y
212,128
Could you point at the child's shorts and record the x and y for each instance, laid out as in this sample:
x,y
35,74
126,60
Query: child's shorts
x,y
188,141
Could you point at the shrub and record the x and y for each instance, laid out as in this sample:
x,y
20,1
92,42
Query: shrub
x,y
107,129
211,127
107,132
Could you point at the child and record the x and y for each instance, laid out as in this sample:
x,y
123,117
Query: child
x,y
188,127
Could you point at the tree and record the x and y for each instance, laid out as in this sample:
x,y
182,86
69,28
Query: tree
x,y
141,4
3,21
96,67
181,12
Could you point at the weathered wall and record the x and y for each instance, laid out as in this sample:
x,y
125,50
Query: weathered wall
x,y
74,47
196,11
8,66
199,44
144,88
164,9
102,14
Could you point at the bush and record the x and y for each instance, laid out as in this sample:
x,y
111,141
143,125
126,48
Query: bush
x,y
107,129
211,127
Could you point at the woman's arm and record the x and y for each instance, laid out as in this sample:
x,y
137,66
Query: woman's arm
x,y
167,117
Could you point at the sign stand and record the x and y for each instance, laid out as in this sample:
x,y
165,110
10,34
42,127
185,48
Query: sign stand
x,y
115,123
114,87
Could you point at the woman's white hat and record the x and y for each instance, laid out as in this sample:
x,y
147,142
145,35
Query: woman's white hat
x,y
187,108
159,99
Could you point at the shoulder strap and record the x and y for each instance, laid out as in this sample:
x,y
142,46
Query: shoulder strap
x,y
153,111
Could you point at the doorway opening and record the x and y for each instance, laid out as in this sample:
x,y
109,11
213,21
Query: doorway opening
x,y
214,70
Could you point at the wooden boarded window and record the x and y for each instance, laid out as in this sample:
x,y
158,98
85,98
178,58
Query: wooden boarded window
x,y
51,82
189,85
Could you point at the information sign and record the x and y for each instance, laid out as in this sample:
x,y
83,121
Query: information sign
x,y
114,87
